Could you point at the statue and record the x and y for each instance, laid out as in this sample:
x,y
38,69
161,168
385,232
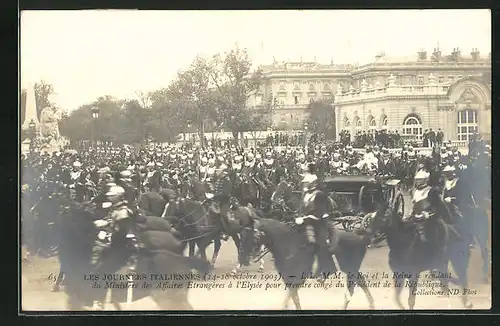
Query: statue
x,y
49,128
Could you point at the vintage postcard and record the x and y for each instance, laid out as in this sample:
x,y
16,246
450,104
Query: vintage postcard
x,y
255,160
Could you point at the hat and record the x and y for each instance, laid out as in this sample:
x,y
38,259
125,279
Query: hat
x,y
308,178
449,168
77,164
422,175
126,174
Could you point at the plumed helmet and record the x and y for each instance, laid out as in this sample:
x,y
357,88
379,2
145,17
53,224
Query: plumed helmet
x,y
309,178
449,168
126,174
422,175
115,191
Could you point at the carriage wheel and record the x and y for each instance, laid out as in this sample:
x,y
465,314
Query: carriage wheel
x,y
399,206
360,197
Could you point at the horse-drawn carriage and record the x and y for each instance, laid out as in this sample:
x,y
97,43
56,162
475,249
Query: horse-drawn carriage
x,y
355,196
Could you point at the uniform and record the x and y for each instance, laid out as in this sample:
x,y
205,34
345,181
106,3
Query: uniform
x,y
315,203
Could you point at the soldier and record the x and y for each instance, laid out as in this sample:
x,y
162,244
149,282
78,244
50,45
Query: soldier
x,y
316,208
211,171
115,235
427,204
203,169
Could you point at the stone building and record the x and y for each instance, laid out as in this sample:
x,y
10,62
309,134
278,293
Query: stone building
x,y
410,94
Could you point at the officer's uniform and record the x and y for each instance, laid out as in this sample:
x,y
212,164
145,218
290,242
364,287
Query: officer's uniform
x,y
315,203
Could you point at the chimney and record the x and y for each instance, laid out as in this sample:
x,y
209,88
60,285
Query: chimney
x,y
475,54
422,54
455,54
436,55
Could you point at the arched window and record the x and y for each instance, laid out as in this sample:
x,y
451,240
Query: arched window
x,y
357,124
467,124
372,124
347,123
383,120
412,127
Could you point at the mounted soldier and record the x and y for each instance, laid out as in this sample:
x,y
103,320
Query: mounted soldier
x,y
428,206
316,209
115,233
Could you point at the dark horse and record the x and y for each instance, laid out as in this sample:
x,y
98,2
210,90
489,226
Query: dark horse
x,y
77,235
199,224
409,255
294,257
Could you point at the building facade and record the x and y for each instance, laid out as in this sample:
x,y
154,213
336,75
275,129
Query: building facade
x,y
408,95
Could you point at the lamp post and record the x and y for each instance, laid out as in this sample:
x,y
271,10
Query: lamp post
x,y
95,115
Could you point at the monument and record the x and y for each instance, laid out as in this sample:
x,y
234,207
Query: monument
x,y
46,130
30,118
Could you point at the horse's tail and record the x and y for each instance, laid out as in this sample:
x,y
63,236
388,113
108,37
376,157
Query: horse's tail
x,y
199,264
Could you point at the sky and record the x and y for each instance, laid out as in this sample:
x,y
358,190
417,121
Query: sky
x,y
91,53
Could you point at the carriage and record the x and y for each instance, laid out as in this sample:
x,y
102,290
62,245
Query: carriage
x,y
353,196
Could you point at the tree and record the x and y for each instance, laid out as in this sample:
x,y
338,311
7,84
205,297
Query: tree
x,y
321,119
43,92
234,82
109,126
192,97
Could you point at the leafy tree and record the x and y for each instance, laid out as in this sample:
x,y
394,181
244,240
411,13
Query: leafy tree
x,y
234,82
321,119
192,97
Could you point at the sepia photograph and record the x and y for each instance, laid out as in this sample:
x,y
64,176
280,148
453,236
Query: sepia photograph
x,y
255,160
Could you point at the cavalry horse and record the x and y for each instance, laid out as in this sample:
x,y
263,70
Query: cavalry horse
x,y
409,255
294,256
199,225
77,234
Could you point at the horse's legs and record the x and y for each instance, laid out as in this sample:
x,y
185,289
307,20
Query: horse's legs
x,y
362,283
349,290
484,256
192,246
261,265
287,299
460,264
236,241
217,245
398,287
294,293
412,289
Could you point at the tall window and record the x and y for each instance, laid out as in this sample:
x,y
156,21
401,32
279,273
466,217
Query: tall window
x,y
282,98
372,124
467,124
384,121
347,123
357,124
412,127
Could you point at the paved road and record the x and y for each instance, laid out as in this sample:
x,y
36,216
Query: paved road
x,y
36,293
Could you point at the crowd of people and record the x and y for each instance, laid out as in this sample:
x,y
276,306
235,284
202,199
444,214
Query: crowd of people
x,y
382,138
44,174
